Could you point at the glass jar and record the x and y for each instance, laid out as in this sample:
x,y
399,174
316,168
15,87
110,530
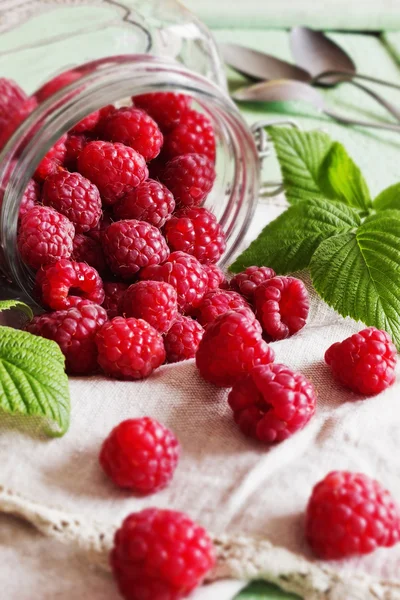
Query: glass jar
x,y
117,77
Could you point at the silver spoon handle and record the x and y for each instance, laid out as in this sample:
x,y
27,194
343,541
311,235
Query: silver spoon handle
x,y
348,76
391,108
369,124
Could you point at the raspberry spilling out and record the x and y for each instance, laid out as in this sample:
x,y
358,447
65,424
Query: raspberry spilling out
x,y
231,346
11,95
194,133
30,198
89,250
246,282
166,108
190,178
349,514
135,128
129,348
113,168
44,237
141,455
12,118
185,274
182,339
74,330
74,196
364,362
216,277
151,201
131,245
160,555
217,302
196,231
113,291
57,282
52,161
153,301
272,402
282,306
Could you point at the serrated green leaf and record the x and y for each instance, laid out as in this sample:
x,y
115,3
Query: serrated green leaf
x,y
300,155
288,243
388,199
341,179
261,590
358,274
7,304
32,378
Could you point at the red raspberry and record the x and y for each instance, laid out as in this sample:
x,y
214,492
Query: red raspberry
x,y
30,198
56,283
150,201
74,145
74,330
129,348
282,306
51,162
364,362
160,555
246,282
272,402
166,108
131,245
114,290
189,177
74,196
185,274
216,277
217,302
12,118
153,301
182,339
194,133
134,128
114,168
56,83
44,237
104,113
11,95
350,514
140,454
97,232
88,250
196,231
231,346
88,123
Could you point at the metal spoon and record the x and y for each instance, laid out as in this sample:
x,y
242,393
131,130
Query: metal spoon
x,y
286,90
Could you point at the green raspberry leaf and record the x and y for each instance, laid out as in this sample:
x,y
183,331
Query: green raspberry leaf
x,y
32,378
341,179
358,273
7,304
300,155
288,243
261,590
388,199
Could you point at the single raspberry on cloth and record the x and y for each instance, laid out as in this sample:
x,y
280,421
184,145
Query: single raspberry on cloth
x,y
153,301
349,514
217,302
182,339
113,290
248,280
166,108
89,250
151,201
140,454
189,177
272,402
194,133
52,161
364,362
160,555
231,346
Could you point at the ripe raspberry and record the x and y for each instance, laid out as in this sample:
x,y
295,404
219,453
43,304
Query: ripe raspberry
x,y
196,231
114,290
129,348
88,250
150,201
152,301
74,330
246,282
12,118
97,232
166,108
194,133
134,128
30,198
189,177
44,237
88,123
364,362
51,162
272,402
56,283
160,555
140,454
282,306
74,145
56,83
185,274
217,302
216,277
74,196
114,168
350,514
231,346
11,95
104,113
131,245
182,339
